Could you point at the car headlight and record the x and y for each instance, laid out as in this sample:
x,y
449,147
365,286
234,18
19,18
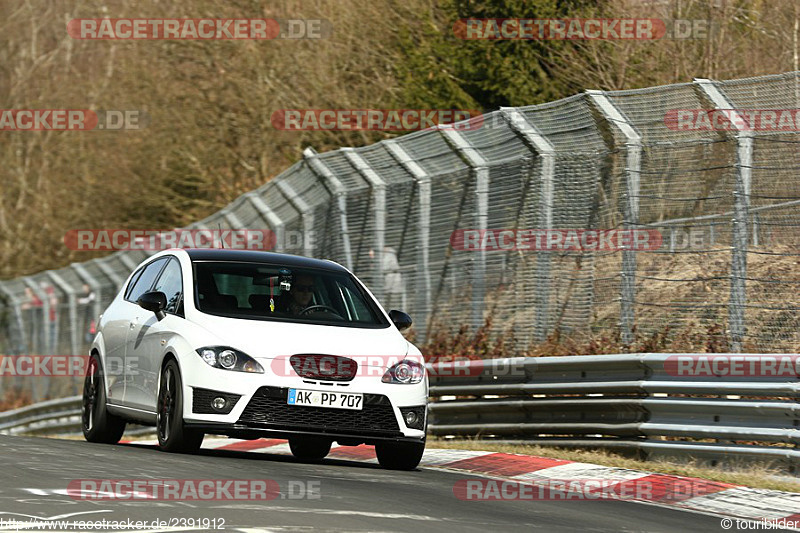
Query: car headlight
x,y
229,359
405,372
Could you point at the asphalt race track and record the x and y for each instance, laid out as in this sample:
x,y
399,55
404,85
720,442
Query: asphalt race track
x,y
353,496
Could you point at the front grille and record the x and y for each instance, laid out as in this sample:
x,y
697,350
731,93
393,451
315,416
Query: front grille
x,y
268,408
327,367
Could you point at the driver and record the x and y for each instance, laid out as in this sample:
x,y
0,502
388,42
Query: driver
x,y
301,294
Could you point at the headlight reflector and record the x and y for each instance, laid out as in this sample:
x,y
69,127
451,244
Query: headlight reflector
x,y
228,358
405,372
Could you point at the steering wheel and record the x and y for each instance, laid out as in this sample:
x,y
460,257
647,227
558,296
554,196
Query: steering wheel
x,y
312,308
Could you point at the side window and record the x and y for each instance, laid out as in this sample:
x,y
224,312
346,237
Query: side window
x,y
132,284
145,281
355,306
171,284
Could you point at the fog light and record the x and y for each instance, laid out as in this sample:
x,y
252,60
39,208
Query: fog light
x,y
219,403
411,418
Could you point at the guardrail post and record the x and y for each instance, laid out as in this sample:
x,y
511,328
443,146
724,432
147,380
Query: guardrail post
x,y
72,309
741,206
269,216
302,207
480,169
537,143
633,164
378,186
423,183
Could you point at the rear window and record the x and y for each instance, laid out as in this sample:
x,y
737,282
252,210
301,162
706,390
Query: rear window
x,y
262,291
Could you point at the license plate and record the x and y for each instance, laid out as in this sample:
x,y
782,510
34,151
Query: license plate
x,y
318,398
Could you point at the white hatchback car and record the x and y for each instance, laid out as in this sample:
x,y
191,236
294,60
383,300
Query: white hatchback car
x,y
256,344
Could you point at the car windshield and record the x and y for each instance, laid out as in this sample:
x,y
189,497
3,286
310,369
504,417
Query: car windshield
x,y
262,291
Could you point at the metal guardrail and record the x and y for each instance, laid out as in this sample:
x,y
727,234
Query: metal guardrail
x,y
44,418
626,403
53,417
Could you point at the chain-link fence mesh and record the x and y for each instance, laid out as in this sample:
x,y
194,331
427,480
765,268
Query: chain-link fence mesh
x,y
723,202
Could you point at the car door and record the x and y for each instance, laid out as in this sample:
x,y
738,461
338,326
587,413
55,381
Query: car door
x,y
116,323
146,346
135,315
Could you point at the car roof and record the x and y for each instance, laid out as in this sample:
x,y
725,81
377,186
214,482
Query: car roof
x,y
250,256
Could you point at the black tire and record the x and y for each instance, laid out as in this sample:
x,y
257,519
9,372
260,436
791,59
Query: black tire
x,y
97,423
310,448
399,455
173,435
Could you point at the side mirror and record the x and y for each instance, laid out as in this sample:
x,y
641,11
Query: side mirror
x,y
400,319
154,301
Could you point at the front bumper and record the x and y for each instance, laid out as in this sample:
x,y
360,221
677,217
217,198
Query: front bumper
x,y
265,412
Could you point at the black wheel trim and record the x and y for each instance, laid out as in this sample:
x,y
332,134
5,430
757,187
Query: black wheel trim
x,y
91,392
166,406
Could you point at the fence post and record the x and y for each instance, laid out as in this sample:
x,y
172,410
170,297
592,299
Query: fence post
x,y
231,218
305,210
125,259
269,216
339,192
41,344
92,282
20,343
378,186
72,309
480,169
741,206
537,143
423,184
633,163
115,278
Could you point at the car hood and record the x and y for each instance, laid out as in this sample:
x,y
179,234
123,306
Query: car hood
x,y
267,340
